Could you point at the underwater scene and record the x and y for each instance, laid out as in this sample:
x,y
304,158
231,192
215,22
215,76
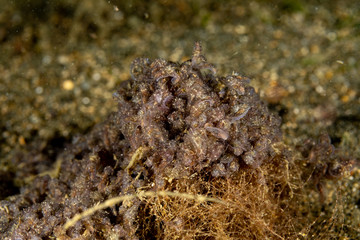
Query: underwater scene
x,y
179,119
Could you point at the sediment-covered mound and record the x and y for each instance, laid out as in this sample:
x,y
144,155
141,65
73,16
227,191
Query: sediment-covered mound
x,y
188,155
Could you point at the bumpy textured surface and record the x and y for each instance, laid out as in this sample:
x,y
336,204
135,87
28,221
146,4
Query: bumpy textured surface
x,y
188,120
175,121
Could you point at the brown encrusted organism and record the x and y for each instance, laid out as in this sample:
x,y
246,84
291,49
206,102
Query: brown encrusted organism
x,y
177,126
191,120
324,160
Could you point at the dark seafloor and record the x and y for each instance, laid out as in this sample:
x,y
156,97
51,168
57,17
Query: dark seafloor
x,y
61,62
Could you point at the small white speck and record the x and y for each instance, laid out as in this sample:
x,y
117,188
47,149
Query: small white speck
x,y
319,89
96,76
332,36
291,89
34,118
85,100
46,60
63,59
39,90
